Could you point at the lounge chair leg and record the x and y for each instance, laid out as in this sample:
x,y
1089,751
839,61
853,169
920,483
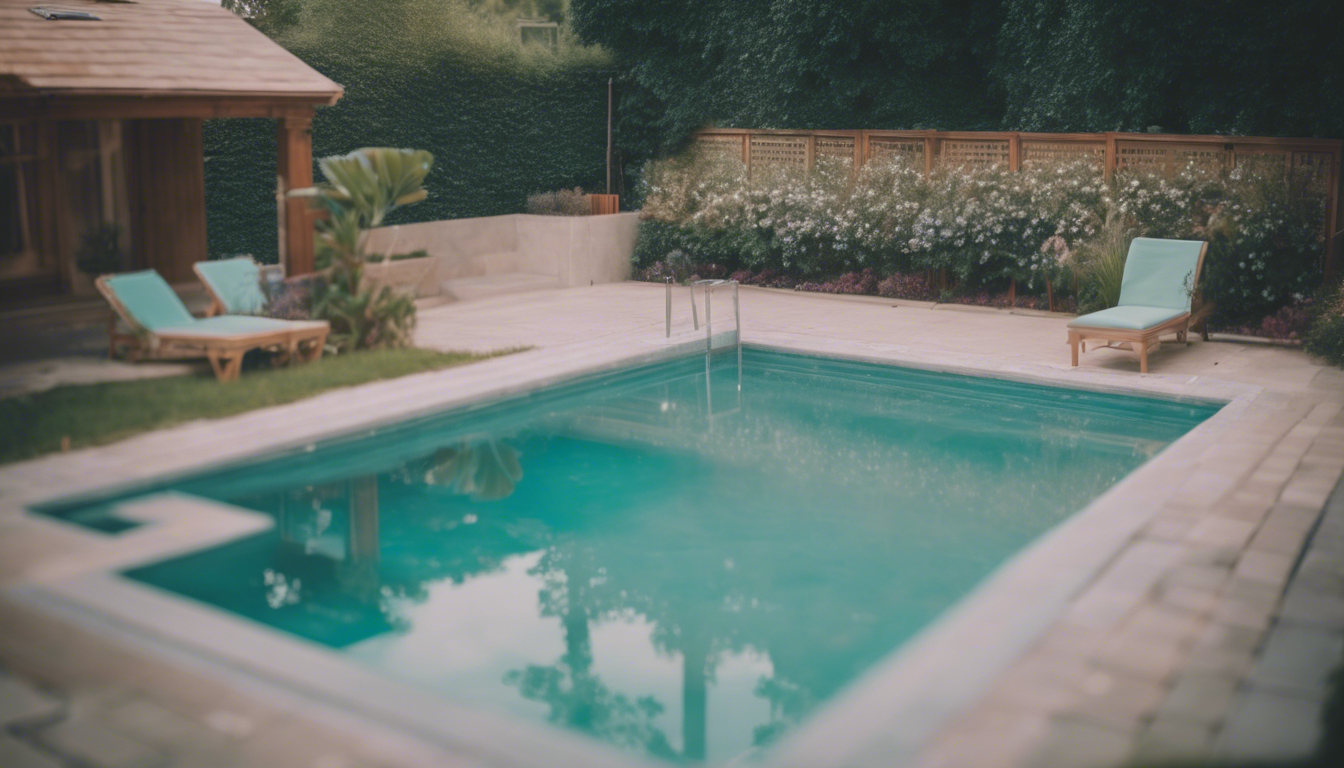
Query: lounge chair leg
x,y
226,367
1073,343
1143,357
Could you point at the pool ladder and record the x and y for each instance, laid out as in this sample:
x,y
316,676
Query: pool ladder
x,y
708,287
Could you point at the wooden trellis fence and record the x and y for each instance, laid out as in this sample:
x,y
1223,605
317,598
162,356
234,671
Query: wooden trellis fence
x,y
1318,158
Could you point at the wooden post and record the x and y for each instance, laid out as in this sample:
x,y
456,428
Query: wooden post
x,y
810,156
1015,152
1111,157
609,81
746,153
294,170
1334,226
1050,294
930,149
1012,292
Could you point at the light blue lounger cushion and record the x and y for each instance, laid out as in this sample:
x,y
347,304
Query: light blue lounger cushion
x,y
149,300
237,283
1156,287
230,325
1127,318
1160,273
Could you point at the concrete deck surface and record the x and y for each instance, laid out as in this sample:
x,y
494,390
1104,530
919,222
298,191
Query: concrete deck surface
x,y
1189,641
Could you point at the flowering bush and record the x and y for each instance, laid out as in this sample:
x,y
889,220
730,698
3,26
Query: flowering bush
x,y
1326,337
982,225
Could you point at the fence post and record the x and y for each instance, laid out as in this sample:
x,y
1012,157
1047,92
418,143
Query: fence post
x,y
1015,152
1111,157
1333,226
810,152
930,149
746,152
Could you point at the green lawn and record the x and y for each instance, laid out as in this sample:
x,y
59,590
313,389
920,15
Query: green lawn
x,y
94,414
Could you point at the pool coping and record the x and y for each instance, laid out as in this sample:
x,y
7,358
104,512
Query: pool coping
x,y
888,713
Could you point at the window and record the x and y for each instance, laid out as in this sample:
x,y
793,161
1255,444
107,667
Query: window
x,y
18,193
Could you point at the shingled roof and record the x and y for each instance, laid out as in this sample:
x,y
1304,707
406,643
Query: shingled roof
x,y
148,48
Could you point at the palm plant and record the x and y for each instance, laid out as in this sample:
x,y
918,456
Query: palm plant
x,y
361,189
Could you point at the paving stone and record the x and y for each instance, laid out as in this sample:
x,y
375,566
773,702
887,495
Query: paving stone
x,y
1224,649
989,738
1256,592
1165,740
18,754
1193,599
22,703
1073,744
1243,613
89,741
1268,567
1199,698
1161,621
1209,577
1236,510
1221,532
1042,682
1307,493
1298,661
1266,726
1320,571
1143,655
1168,527
162,728
1117,701
1313,609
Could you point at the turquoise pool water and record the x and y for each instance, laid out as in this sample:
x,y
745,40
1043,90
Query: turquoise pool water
x,y
663,565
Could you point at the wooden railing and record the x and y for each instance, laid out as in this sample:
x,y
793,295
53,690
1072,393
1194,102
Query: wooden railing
x,y
1319,159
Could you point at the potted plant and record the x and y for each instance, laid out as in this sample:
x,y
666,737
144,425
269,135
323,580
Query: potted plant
x,y
99,253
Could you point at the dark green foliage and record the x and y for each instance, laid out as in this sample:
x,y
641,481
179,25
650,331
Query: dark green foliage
x,y
100,251
785,64
1236,67
240,211
505,121
1326,339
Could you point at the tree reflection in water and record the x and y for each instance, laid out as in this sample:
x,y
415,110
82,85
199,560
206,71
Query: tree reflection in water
x,y
811,533
577,698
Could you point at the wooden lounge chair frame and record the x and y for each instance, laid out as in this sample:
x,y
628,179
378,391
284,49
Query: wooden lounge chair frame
x,y
1144,340
225,353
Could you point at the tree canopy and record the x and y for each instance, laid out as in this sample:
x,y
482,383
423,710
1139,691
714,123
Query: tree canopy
x,y
1045,65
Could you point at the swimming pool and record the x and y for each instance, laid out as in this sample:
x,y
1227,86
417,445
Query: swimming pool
x,y
654,557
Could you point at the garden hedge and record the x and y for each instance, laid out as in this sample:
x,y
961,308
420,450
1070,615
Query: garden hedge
x,y
501,126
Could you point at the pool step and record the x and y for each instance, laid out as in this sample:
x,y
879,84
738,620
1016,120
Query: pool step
x,y
487,286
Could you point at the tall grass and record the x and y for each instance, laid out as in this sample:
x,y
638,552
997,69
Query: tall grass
x,y
1101,265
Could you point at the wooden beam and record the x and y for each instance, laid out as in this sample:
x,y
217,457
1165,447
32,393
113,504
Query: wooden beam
x,y
107,107
294,170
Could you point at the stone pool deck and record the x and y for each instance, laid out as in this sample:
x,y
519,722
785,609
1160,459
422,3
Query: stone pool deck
x,y
1206,630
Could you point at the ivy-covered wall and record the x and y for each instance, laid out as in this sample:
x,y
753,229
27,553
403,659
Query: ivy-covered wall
x,y
501,123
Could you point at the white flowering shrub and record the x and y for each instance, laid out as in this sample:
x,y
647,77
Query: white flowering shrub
x,y
1263,228
984,225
